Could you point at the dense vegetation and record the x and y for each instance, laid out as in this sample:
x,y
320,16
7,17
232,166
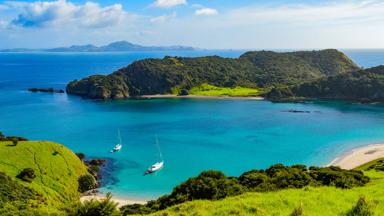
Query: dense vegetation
x,y
38,178
363,85
315,201
214,185
16,197
261,69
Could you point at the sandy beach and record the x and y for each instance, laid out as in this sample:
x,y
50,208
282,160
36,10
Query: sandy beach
x,y
121,201
359,156
198,97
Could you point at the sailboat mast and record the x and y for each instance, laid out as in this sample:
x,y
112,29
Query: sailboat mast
x,y
119,136
158,148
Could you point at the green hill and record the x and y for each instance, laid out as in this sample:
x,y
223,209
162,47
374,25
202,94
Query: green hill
x,y
314,201
363,85
256,70
55,185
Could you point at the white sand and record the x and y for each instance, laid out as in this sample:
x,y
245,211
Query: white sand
x,y
359,156
199,97
121,201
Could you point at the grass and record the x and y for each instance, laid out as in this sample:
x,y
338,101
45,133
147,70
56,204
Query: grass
x,y
321,201
211,90
56,167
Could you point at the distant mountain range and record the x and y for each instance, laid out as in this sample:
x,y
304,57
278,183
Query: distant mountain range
x,y
119,46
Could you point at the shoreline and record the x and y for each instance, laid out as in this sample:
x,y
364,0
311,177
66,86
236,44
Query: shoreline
x,y
160,96
358,156
121,201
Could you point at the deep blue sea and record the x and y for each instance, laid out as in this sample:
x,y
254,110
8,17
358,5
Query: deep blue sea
x,y
194,134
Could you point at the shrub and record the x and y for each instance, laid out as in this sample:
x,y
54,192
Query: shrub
x,y
104,207
183,92
27,174
86,182
297,211
80,155
362,208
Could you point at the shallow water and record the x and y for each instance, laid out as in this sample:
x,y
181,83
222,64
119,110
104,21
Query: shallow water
x,y
194,134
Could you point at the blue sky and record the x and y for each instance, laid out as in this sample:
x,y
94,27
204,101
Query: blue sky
x,y
214,24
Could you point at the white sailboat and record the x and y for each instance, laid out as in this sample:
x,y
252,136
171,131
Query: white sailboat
x,y
158,165
119,145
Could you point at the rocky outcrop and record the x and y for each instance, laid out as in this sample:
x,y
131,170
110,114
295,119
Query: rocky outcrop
x,y
100,87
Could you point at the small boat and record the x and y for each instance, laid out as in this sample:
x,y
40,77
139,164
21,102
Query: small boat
x,y
155,167
158,165
119,145
116,148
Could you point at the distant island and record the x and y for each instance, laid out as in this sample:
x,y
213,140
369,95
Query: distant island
x,y
118,46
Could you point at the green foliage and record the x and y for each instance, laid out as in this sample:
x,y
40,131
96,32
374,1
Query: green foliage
x,y
183,92
15,196
214,185
56,179
81,156
105,207
252,70
27,174
211,90
377,165
86,182
362,208
364,85
297,211
13,139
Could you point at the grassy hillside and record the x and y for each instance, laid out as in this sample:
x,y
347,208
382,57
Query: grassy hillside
x,y
319,201
56,168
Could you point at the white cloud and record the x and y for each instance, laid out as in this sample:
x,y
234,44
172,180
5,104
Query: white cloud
x,y
331,13
60,13
163,18
206,12
168,3
3,24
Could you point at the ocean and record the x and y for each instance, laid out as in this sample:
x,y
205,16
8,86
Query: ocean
x,y
194,134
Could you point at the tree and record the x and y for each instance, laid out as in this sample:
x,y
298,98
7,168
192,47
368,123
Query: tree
x,y
183,92
104,207
86,182
27,174
80,155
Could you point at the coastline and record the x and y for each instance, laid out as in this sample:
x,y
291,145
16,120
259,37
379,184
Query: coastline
x,y
160,96
359,156
121,201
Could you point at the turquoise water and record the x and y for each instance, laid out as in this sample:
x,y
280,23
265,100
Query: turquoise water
x,y
195,135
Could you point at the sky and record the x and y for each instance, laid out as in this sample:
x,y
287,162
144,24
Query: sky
x,y
208,24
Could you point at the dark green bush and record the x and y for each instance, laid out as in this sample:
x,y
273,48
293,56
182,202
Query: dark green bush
x,y
86,182
27,174
362,208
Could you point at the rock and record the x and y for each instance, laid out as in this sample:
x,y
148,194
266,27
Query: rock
x,y
47,90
